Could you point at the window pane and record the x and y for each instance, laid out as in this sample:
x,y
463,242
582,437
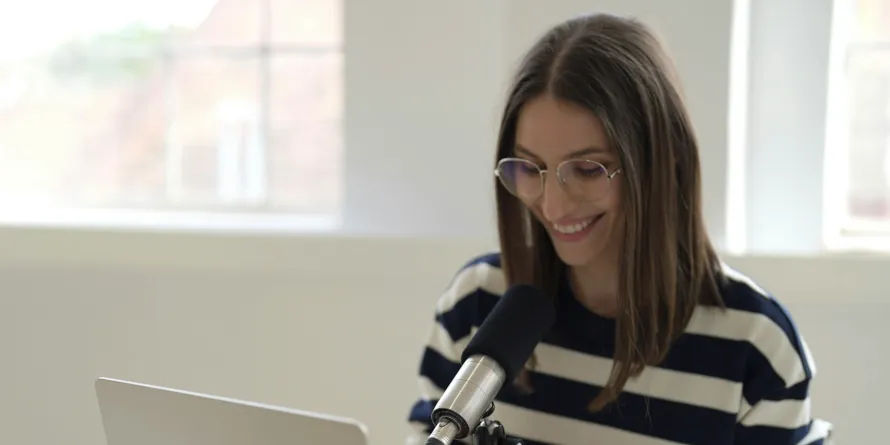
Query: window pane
x,y
872,20
249,22
307,22
68,107
229,23
868,71
186,112
306,109
206,127
870,133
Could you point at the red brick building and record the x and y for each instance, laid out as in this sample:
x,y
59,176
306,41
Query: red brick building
x,y
243,109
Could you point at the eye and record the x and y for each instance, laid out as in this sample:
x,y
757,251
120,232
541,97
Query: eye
x,y
528,168
588,170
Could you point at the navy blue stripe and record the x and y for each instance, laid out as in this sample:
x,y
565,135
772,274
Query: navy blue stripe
x,y
649,416
656,417
493,259
695,354
737,294
437,368
669,420
467,313
769,435
740,296
726,357
732,360
456,322
459,320
421,411
486,302
760,377
799,391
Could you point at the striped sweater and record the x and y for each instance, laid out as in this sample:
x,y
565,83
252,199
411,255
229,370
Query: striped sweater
x,y
736,376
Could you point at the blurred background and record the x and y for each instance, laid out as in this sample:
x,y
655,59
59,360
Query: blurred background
x,y
262,199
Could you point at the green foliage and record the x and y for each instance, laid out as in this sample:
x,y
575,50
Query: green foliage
x,y
110,58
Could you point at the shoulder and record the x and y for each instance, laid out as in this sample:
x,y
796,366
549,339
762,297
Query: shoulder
x,y
480,274
777,354
474,289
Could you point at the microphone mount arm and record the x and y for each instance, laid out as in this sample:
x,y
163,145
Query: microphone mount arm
x,y
491,432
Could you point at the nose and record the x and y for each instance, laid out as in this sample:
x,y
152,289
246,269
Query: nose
x,y
556,203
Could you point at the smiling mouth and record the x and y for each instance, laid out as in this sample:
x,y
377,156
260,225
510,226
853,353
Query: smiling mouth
x,y
578,227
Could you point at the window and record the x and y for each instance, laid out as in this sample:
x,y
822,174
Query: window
x,y
858,149
221,106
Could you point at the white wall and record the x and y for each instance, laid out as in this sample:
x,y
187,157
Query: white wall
x,y
295,320
789,57
327,324
424,95
423,85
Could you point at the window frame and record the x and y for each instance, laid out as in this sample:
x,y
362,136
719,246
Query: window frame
x,y
843,233
247,210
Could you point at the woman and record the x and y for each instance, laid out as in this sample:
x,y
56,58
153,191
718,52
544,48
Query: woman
x,y
599,205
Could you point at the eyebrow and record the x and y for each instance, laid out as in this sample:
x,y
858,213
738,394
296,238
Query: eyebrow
x,y
575,154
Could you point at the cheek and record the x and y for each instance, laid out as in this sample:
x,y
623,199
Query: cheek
x,y
618,219
614,202
537,214
534,207
615,205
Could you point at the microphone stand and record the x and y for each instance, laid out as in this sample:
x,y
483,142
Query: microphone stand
x,y
491,432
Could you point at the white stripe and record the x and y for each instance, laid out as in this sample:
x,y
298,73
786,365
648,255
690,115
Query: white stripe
x,y
478,276
543,427
820,429
418,427
440,341
795,372
676,386
756,329
789,414
808,356
744,407
735,275
418,435
660,383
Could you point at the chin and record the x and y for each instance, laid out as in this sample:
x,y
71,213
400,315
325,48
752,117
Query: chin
x,y
577,255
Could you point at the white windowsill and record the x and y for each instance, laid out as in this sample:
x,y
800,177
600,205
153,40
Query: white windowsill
x,y
247,222
874,244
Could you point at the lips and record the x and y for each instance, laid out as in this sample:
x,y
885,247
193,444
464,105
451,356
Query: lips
x,y
573,228
576,230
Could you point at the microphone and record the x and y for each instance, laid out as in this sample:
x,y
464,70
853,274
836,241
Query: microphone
x,y
495,355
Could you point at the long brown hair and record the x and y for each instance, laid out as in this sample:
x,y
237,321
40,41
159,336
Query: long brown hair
x,y
616,68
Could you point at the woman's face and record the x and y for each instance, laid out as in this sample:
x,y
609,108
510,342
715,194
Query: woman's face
x,y
583,215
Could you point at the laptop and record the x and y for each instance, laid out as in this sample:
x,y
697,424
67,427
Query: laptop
x,y
139,414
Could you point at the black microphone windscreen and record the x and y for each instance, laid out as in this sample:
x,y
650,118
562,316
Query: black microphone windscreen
x,y
514,327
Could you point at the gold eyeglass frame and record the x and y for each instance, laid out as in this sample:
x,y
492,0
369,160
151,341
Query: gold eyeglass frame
x,y
542,172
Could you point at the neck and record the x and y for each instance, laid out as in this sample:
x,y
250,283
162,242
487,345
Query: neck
x,y
596,286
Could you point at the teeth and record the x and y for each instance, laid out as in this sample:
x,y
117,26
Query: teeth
x,y
573,228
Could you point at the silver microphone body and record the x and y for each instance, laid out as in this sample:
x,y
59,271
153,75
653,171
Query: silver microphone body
x,y
466,400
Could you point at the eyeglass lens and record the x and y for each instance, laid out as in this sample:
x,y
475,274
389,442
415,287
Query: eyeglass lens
x,y
582,178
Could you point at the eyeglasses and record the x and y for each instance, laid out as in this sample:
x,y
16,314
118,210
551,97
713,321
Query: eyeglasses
x,y
582,179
